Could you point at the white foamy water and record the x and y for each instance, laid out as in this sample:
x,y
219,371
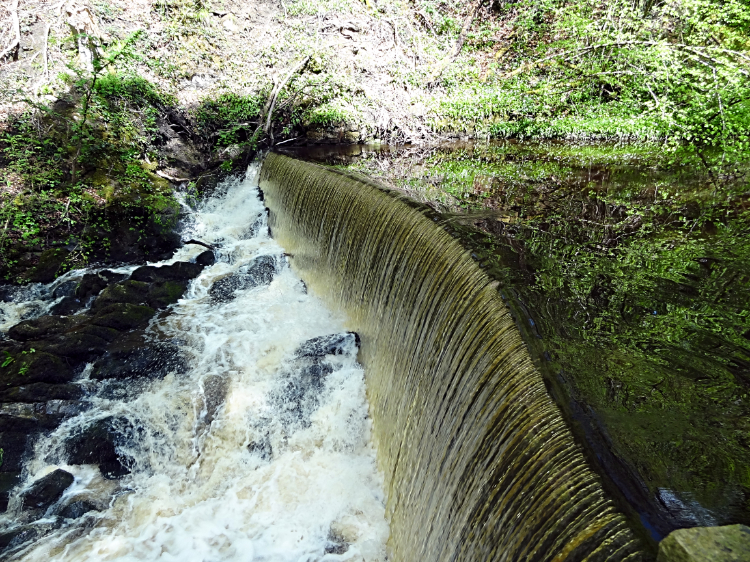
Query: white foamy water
x,y
239,458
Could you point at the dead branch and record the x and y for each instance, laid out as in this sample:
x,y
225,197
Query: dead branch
x,y
44,51
15,44
442,65
271,103
199,243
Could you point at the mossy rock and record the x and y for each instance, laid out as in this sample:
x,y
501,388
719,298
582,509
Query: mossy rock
x,y
130,292
163,294
121,316
730,543
49,264
43,326
38,366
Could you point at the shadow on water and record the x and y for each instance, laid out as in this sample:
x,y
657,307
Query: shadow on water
x,y
628,272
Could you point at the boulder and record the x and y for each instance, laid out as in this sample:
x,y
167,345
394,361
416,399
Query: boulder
x,y
36,366
126,292
48,265
90,285
46,490
42,327
41,392
259,272
77,509
68,305
135,356
77,347
97,444
66,289
123,317
8,481
178,271
162,294
332,344
730,543
13,444
206,258
30,417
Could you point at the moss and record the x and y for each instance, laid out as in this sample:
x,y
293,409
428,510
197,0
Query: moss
x,y
123,317
49,264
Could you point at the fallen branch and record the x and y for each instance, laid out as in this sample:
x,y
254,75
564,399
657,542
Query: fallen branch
x,y
15,44
44,51
274,95
199,243
442,65
170,178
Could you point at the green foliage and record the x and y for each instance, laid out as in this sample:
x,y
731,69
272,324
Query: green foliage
x,y
230,117
68,166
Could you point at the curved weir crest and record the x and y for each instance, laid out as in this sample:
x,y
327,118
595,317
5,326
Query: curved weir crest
x,y
259,449
478,462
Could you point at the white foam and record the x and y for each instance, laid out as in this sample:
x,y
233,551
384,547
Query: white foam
x,y
200,491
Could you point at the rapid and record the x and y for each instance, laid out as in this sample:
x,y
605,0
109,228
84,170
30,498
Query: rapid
x,y
258,449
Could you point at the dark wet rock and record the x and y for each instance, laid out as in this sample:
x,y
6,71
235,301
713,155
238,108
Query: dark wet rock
x,y
214,392
97,444
206,258
30,417
107,334
8,481
13,444
178,271
332,344
37,366
134,356
123,317
90,285
41,392
27,533
259,272
126,292
42,327
67,289
165,293
77,347
112,276
67,306
262,448
46,490
77,509
48,265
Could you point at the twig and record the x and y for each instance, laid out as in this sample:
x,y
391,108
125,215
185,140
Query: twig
x,y
15,43
274,95
44,50
442,65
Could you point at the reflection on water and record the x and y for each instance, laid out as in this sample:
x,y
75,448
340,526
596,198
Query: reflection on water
x,y
630,279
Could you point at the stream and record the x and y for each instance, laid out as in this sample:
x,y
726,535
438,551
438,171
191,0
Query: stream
x,y
256,445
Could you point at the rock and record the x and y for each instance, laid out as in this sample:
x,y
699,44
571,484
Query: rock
x,y
38,366
206,258
260,272
77,509
730,543
67,289
178,271
77,347
165,293
13,444
333,344
42,327
91,285
214,392
68,305
41,392
97,444
8,481
127,292
135,356
123,317
48,266
34,416
46,490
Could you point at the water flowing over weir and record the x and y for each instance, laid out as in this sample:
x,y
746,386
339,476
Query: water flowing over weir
x,y
479,465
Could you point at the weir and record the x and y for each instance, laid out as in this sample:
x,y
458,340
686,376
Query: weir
x,y
479,464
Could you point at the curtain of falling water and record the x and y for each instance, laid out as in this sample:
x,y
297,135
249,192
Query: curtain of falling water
x,y
242,457
478,463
